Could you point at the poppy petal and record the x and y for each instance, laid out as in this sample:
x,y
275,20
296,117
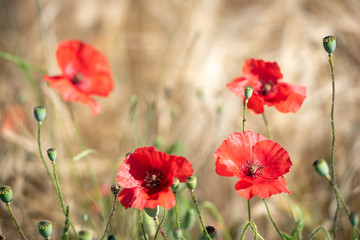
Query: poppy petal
x,y
263,190
70,93
269,71
296,94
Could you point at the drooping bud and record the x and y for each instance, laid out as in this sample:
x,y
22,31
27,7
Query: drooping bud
x,y
191,183
354,218
211,231
45,228
152,212
175,185
84,235
177,232
322,168
248,92
51,152
5,194
40,113
329,44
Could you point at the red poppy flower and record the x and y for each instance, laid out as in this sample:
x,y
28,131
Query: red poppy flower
x,y
147,175
257,162
264,78
85,72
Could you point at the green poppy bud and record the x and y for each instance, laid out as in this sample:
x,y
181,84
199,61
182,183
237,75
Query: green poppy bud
x,y
177,232
52,154
175,185
84,235
191,182
189,219
322,168
248,92
111,237
152,212
354,218
45,228
329,44
40,113
5,194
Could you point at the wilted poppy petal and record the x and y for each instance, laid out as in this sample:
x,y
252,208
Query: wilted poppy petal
x,y
70,93
296,94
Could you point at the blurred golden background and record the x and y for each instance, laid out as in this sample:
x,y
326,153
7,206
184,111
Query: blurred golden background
x,y
175,57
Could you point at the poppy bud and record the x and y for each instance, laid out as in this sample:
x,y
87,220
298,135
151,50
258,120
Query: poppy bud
x,y
189,219
5,194
211,231
322,168
152,212
329,44
248,92
2,237
51,152
354,218
111,237
177,232
84,235
191,183
40,113
175,185
45,228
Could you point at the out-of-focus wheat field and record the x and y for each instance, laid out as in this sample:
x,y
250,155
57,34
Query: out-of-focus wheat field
x,y
175,57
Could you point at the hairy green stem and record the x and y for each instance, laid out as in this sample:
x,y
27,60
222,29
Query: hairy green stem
x,y
142,223
244,114
199,214
16,222
317,230
159,226
111,214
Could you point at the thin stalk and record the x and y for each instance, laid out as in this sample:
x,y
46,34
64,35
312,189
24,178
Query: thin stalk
x,y
16,222
199,214
266,126
160,228
244,114
111,214
42,156
21,62
67,224
271,219
177,218
58,191
142,223
249,212
317,230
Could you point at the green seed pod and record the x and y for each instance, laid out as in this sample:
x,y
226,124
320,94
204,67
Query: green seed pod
x,y
211,231
84,235
111,237
45,228
191,182
40,113
175,185
152,212
177,232
329,44
248,92
52,154
354,218
189,219
322,168
5,194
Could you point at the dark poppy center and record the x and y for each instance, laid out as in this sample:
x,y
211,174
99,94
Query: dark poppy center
x,y
153,178
77,78
252,169
267,88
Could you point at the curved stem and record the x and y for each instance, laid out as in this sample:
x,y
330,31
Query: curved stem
x,y
16,222
142,223
199,214
317,230
111,214
271,219
159,227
